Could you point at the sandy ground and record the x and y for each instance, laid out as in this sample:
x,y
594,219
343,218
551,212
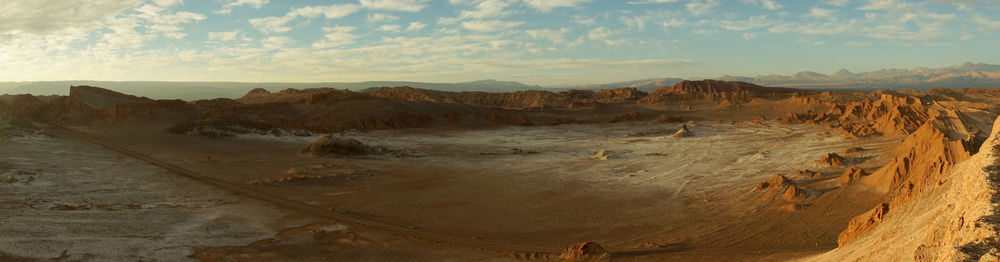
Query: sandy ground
x,y
75,201
81,201
690,193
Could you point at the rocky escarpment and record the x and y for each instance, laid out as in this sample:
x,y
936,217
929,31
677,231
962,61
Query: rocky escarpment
x,y
87,104
516,100
100,98
714,90
881,114
934,215
921,162
304,96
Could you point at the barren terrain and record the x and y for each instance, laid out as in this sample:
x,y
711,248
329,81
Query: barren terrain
x,y
701,170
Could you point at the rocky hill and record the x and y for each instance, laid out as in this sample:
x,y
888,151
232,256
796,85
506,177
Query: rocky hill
x,y
515,100
949,214
715,90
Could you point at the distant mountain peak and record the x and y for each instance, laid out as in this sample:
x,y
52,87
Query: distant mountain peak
x,y
965,75
808,74
843,72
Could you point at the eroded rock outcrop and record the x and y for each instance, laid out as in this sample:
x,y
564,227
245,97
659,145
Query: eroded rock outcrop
x,y
530,99
833,160
603,154
586,251
714,90
921,162
851,175
683,132
951,216
862,223
330,145
778,182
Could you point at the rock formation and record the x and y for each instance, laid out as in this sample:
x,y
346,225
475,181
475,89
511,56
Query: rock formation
x,y
778,182
714,90
683,132
833,159
531,99
330,145
603,154
852,174
951,218
586,251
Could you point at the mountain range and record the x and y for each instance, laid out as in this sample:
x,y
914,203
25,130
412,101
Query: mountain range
x,y
206,90
961,76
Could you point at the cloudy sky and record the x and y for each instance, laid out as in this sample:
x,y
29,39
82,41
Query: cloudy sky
x,y
546,42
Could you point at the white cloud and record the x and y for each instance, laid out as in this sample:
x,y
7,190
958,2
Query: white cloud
x,y
228,7
45,17
582,20
380,17
276,42
837,2
336,37
271,24
168,3
986,22
701,7
224,36
832,28
766,4
555,36
328,11
651,2
389,28
489,25
884,5
673,22
548,5
858,44
415,26
280,24
485,9
599,33
820,13
395,5
169,25
123,34
742,25
637,22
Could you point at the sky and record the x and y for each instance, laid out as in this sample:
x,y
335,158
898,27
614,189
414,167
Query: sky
x,y
543,42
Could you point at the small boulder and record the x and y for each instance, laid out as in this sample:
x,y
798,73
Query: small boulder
x,y
586,251
604,154
683,132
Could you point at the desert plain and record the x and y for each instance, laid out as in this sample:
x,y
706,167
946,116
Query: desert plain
x,y
701,170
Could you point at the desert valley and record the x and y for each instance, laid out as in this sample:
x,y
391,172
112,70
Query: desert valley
x,y
700,170
499,130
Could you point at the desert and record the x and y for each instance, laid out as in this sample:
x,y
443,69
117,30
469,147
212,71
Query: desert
x,y
499,130
699,170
